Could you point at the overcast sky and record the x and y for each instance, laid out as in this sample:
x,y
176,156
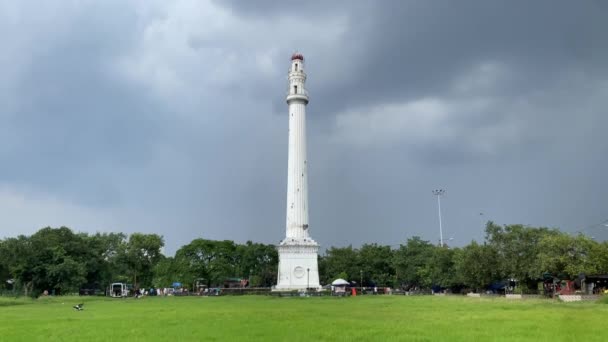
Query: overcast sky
x,y
169,117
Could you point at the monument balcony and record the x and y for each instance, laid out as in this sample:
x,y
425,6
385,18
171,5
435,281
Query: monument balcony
x,y
298,72
298,242
301,95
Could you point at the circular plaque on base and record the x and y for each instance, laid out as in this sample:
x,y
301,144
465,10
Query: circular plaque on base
x,y
299,272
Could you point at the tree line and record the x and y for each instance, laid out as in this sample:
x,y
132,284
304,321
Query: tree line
x,y
517,253
59,260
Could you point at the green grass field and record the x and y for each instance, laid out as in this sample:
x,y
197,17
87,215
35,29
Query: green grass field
x,y
362,318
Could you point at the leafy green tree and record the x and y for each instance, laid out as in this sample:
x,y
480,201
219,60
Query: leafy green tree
x,y
142,253
58,256
568,256
376,262
439,268
258,262
5,274
64,272
340,262
409,259
476,266
19,259
103,264
208,259
168,270
599,254
517,248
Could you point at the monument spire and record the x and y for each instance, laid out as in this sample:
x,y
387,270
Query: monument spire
x,y
297,252
297,173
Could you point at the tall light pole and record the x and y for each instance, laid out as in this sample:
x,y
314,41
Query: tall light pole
x,y
438,193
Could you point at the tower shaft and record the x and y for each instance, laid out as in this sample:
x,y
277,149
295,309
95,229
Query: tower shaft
x,y
297,252
297,174
296,226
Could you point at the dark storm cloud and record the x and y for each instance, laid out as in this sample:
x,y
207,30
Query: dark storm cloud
x,y
169,117
265,8
398,50
74,118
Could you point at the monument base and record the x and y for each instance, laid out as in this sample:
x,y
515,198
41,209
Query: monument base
x,y
298,268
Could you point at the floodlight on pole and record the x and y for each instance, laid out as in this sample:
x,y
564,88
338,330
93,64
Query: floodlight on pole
x,y
439,193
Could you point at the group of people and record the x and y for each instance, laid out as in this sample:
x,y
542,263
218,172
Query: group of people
x,y
157,292
138,293
209,292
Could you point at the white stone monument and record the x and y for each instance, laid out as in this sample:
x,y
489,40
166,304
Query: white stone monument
x,y
297,252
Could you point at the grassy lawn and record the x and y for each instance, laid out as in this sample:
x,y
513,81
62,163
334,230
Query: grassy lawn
x,y
362,318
